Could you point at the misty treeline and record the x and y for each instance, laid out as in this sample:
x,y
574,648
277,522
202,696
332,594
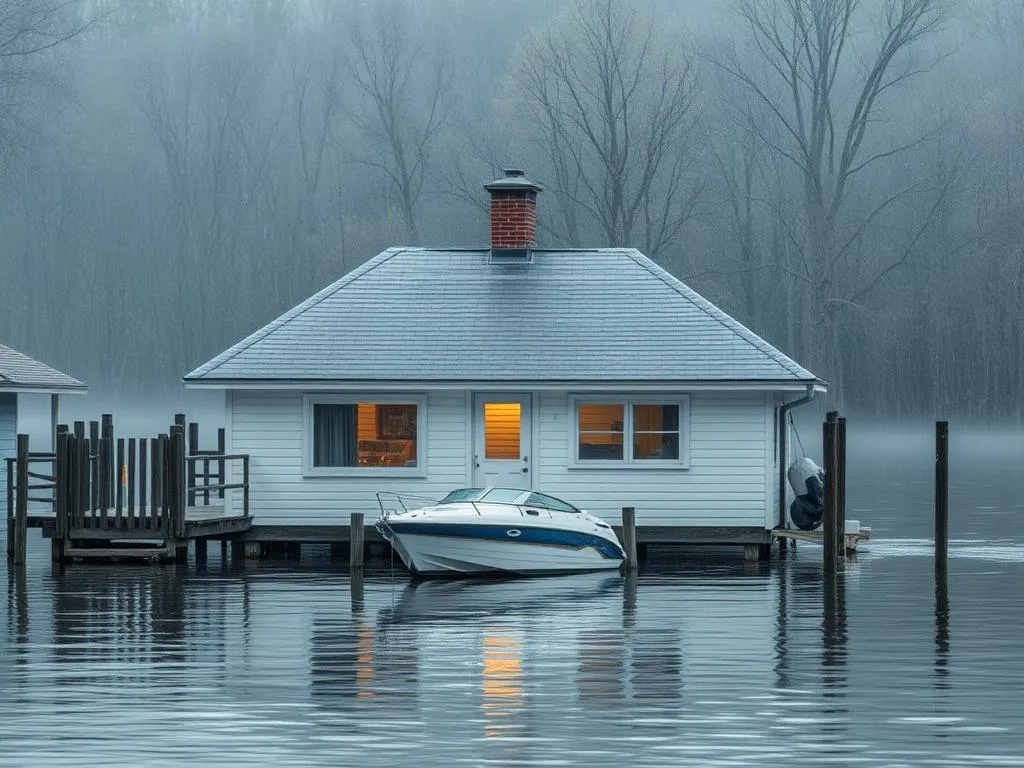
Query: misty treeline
x,y
843,176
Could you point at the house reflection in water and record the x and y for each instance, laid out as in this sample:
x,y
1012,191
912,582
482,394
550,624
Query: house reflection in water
x,y
642,664
503,691
351,660
600,678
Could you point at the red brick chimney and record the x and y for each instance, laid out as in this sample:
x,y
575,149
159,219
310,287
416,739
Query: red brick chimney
x,y
513,211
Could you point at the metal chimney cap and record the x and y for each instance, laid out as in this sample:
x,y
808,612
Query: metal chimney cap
x,y
514,179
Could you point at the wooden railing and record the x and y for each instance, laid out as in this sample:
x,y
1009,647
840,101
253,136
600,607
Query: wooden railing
x,y
196,490
102,484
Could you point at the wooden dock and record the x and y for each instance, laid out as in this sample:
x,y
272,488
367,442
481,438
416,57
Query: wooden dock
x,y
102,498
850,540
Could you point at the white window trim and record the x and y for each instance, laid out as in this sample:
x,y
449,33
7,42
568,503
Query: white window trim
x,y
309,400
627,402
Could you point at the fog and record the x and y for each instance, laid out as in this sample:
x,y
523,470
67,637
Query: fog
x,y
846,180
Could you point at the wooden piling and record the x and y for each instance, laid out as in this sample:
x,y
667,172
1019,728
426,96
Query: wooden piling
x,y
629,538
93,483
156,475
841,488
193,449
830,547
21,502
9,510
355,550
103,476
941,496
143,477
60,490
130,502
222,450
121,474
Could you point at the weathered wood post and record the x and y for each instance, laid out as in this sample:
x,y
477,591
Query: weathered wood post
x,y
193,448
356,537
629,538
941,496
60,494
130,483
94,469
222,450
107,453
201,552
156,467
841,487
9,509
180,479
21,502
121,474
143,481
829,546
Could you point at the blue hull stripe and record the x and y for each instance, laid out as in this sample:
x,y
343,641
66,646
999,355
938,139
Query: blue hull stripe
x,y
548,536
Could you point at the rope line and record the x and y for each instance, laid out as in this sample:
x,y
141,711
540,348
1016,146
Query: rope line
x,y
797,435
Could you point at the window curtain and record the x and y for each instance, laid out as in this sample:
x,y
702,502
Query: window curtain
x,y
335,435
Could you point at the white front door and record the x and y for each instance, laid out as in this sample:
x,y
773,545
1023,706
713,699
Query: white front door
x,y
501,441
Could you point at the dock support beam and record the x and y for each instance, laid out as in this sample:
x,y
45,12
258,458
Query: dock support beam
x,y
941,497
629,538
356,537
201,552
830,544
17,532
841,488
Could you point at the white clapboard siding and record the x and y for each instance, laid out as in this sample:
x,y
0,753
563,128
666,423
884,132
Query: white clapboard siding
x,y
725,484
728,482
268,426
8,444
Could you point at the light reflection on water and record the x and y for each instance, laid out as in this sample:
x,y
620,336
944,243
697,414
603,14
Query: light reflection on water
x,y
701,660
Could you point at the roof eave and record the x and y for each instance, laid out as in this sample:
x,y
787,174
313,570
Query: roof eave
x,y
340,385
42,389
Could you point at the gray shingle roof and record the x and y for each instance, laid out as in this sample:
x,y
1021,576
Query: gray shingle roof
x,y
416,314
18,371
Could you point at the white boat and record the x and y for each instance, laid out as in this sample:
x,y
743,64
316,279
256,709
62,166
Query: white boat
x,y
476,531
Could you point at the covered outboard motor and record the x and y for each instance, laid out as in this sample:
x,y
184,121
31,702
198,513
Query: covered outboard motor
x,y
808,482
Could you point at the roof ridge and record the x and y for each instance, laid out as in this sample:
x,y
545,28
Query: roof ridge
x,y
298,309
715,313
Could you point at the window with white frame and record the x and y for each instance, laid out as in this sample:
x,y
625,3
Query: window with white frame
x,y
639,431
364,435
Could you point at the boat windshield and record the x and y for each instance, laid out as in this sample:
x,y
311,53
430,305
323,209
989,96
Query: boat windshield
x,y
504,495
463,494
508,496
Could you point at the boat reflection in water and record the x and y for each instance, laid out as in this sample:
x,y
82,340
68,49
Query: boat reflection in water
x,y
579,642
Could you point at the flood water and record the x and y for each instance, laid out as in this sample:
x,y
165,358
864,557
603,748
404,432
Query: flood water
x,y
701,660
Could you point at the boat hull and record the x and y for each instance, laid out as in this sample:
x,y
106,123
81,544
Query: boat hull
x,y
475,552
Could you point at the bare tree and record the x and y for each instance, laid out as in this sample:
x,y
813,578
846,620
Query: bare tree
x,y
314,76
29,29
825,99
609,101
403,91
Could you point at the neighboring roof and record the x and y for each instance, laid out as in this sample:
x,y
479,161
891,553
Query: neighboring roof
x,y
416,314
20,372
